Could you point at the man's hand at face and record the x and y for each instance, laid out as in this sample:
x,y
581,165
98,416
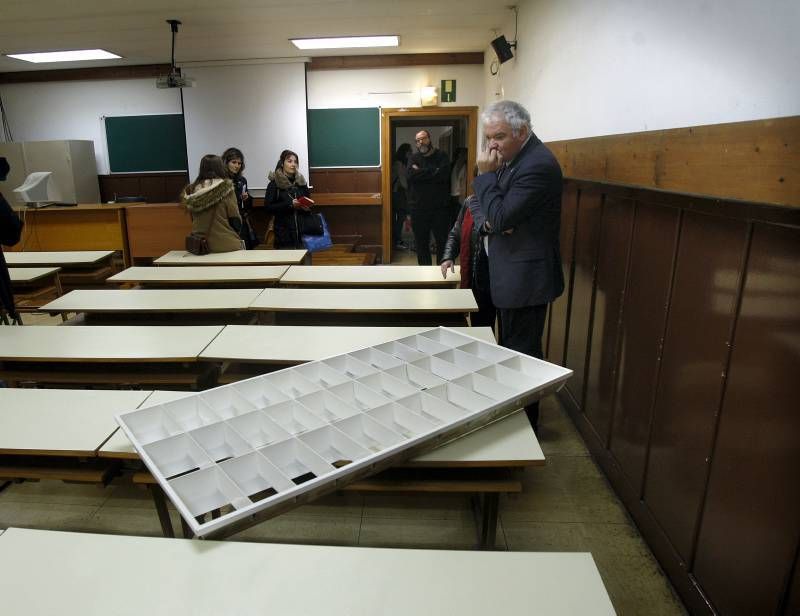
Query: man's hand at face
x,y
489,161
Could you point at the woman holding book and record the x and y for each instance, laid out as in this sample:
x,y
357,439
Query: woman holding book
x,y
287,199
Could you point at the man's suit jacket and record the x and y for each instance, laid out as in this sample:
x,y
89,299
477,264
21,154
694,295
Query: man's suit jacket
x,y
524,265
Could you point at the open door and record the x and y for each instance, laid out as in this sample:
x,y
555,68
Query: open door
x,y
423,117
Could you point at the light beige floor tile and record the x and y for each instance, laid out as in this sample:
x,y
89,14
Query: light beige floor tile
x,y
557,433
295,527
419,533
55,493
45,515
418,506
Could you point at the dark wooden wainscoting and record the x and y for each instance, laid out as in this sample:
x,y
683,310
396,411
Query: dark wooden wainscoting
x,y
681,320
154,187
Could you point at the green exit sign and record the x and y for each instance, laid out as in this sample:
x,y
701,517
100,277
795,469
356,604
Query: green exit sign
x,y
448,91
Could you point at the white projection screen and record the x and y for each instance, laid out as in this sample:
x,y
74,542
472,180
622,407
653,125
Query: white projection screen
x,y
258,108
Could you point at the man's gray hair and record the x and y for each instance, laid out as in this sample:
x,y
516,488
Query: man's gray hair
x,y
513,113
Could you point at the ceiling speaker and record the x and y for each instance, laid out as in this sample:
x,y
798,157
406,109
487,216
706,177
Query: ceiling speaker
x,y
502,48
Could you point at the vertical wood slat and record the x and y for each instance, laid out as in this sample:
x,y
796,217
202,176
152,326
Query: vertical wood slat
x,y
756,467
696,343
559,310
585,258
647,286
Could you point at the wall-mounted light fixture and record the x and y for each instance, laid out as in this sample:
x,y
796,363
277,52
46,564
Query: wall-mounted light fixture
x,y
428,96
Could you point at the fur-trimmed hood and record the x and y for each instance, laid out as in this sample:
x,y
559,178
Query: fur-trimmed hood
x,y
207,195
282,180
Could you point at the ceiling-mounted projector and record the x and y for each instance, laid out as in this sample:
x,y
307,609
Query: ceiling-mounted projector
x,y
174,79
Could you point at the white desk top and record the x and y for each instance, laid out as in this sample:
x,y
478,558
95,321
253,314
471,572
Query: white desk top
x,y
191,274
237,257
373,275
292,344
153,300
50,572
100,343
508,442
31,274
366,300
66,257
60,421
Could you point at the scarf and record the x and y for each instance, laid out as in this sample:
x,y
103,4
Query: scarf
x,y
465,253
283,181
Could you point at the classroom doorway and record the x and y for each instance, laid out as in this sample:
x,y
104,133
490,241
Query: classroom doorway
x,y
451,128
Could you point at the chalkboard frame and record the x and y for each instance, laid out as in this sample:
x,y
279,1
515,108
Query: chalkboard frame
x,y
146,143
344,137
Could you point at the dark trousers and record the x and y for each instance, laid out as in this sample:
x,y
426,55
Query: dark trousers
x,y
425,221
521,330
487,312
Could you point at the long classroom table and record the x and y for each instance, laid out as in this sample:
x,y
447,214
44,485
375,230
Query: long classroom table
x,y
34,286
114,354
132,303
376,276
78,267
236,257
366,306
50,572
204,276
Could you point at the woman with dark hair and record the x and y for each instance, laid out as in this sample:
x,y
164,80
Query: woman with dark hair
x,y
211,201
286,186
399,193
234,165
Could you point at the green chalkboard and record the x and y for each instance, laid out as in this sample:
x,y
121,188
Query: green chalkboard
x,y
146,143
344,137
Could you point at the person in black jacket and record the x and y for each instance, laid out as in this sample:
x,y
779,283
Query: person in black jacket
x,y
465,243
429,184
10,232
286,185
234,165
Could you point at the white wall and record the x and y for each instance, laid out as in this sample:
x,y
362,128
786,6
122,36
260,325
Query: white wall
x,y
74,109
259,108
391,87
617,66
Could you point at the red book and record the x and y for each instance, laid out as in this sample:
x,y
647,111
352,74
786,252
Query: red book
x,y
305,201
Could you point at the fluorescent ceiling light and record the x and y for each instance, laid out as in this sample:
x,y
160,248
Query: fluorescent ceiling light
x,y
341,42
65,56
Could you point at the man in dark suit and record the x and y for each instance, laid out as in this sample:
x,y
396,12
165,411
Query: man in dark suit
x,y
518,193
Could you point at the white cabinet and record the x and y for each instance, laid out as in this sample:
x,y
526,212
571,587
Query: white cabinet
x,y
72,163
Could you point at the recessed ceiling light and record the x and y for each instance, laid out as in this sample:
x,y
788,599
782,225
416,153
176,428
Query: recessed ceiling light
x,y
341,42
65,56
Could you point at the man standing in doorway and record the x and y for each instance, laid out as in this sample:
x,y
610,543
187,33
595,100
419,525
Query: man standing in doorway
x,y
429,183
518,192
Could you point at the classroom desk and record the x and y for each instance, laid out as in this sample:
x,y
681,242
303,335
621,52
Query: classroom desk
x,y
205,276
119,355
94,226
50,572
287,345
59,258
377,276
34,286
133,304
367,306
237,257
78,267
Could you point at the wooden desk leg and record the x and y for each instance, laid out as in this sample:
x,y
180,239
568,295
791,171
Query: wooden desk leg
x,y
161,509
485,508
187,532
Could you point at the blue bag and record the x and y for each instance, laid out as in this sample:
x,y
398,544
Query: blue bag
x,y
315,243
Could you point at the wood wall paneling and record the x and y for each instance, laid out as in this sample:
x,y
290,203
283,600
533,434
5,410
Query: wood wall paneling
x,y
154,187
612,261
696,345
556,343
345,180
155,229
754,161
587,233
749,530
393,60
644,312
